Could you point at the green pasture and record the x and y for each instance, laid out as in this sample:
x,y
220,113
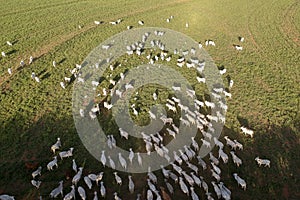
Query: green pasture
x,y
265,95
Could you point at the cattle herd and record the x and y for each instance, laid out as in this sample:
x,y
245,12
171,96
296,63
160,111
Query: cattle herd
x,y
187,169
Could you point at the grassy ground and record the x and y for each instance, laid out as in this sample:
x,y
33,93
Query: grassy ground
x,y
265,94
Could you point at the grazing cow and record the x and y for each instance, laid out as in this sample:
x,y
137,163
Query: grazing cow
x,y
9,43
238,47
247,131
264,162
141,22
241,39
210,43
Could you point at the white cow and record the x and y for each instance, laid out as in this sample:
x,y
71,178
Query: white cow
x,y
238,47
247,131
264,162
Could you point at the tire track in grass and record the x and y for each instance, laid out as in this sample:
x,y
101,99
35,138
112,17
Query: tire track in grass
x,y
24,11
262,50
287,27
257,47
284,27
48,47
251,18
269,58
273,37
283,38
41,32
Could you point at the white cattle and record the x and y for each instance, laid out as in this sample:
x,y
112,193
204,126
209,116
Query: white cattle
x,y
230,143
223,155
216,189
212,118
82,193
209,104
56,146
67,79
62,84
130,184
264,162
95,83
206,135
247,131
216,168
238,145
200,80
230,84
8,43
102,189
106,47
189,64
236,159
205,143
218,143
223,71
238,47
183,186
240,181
213,158
227,94
170,107
210,42
128,86
88,182
37,172
184,121
122,161
123,133
180,64
22,63
66,154
71,194
141,22
166,120
56,191
201,162
52,163
107,105
30,60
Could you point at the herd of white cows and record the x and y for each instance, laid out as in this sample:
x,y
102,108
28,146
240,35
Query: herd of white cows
x,y
187,169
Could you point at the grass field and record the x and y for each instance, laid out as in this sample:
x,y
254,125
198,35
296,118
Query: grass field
x,y
265,95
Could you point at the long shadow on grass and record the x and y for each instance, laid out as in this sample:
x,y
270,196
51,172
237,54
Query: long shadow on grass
x,y
24,147
281,146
